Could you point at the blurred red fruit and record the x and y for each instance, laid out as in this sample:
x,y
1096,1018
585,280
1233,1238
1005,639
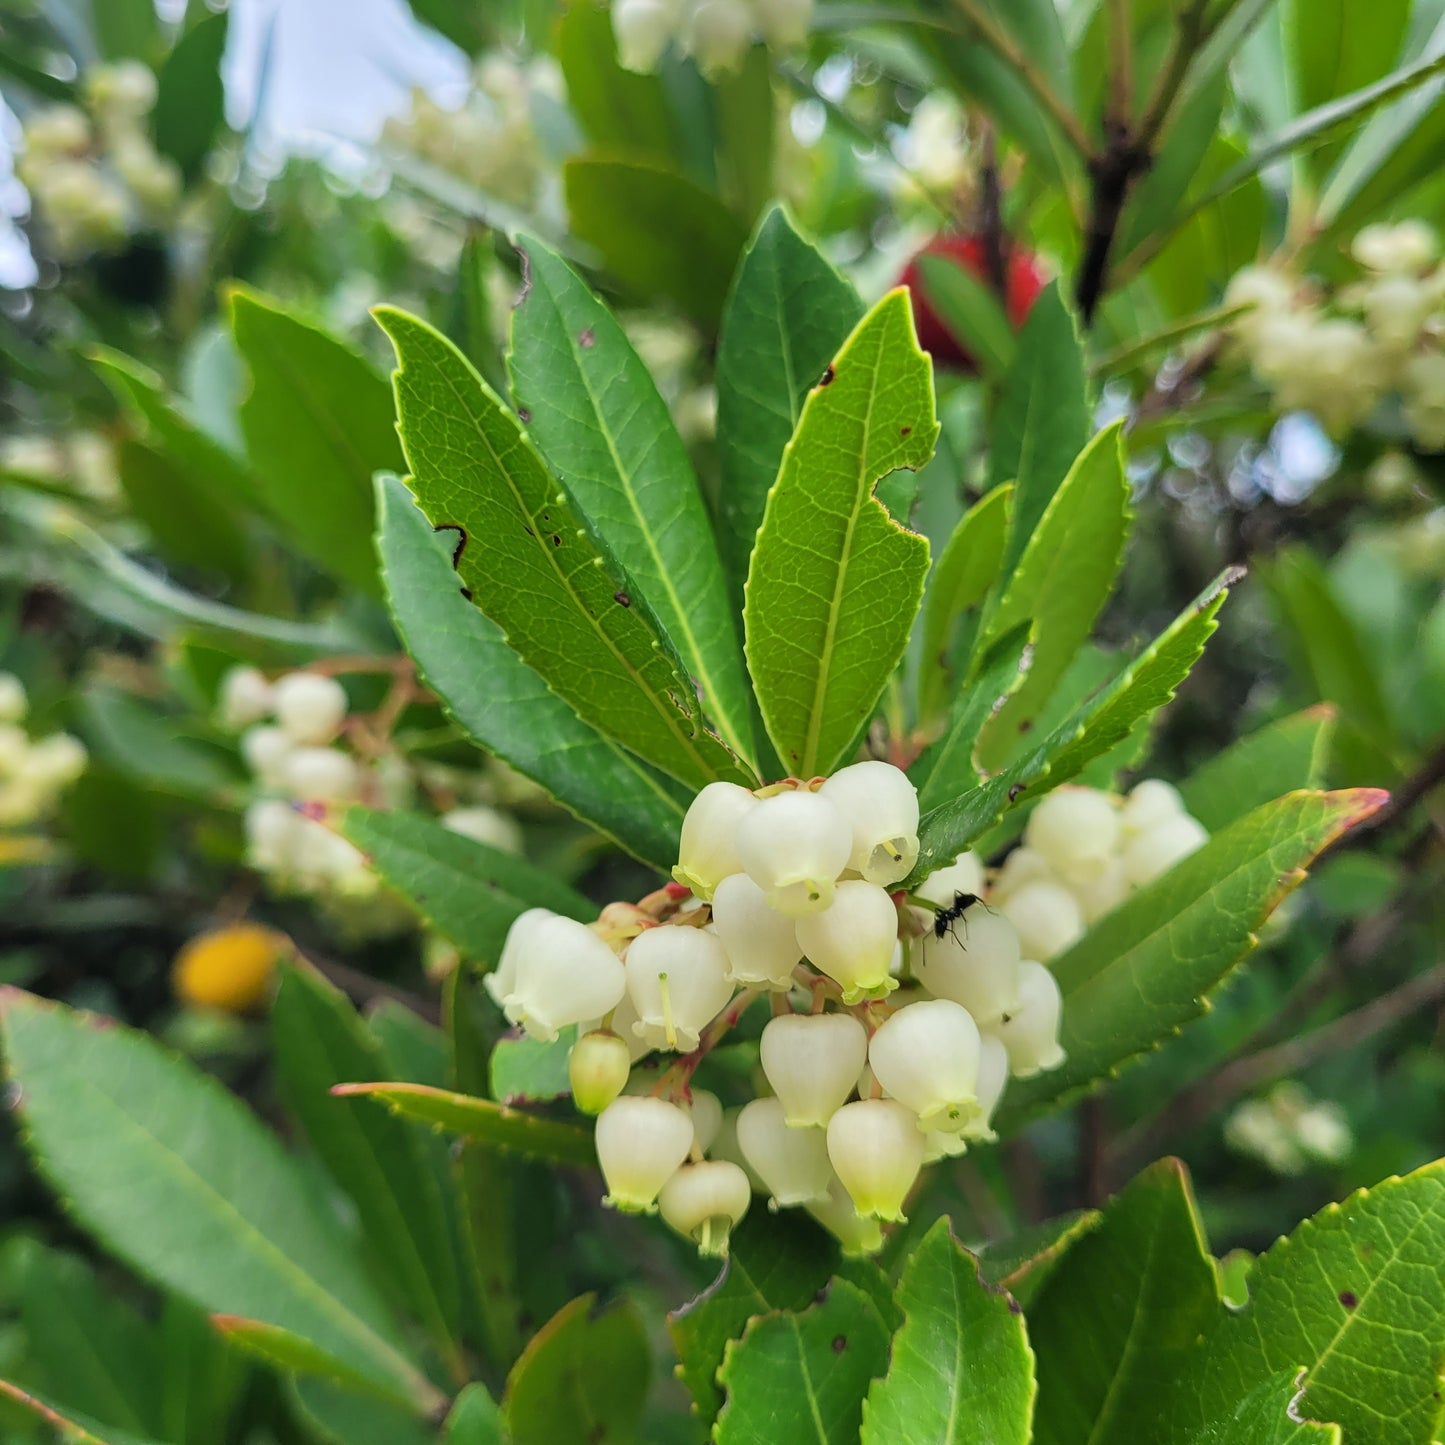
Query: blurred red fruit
x,y
1025,280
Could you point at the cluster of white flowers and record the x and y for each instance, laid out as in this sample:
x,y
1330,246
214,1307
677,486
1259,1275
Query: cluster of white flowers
x,y
491,140
933,151
1083,852
82,460
34,772
896,1021
1288,1130
717,33
1338,356
93,173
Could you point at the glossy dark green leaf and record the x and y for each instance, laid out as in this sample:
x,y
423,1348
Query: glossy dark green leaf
x,y
338,1416
145,744
503,704
190,98
961,1369
1268,1415
475,1419
1144,1280
70,1427
531,566
124,29
1022,1262
971,311
524,1070
596,414
801,1376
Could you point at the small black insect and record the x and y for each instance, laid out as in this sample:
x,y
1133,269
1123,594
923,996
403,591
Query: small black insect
x,y
945,918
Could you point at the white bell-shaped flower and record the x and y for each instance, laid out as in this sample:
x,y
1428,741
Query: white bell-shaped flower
x,y
270,827
553,972
703,1202
858,1237
1030,1032
975,963
761,943
784,23
597,1069
993,1075
1149,803
812,1062
641,1144
939,1145
485,824
853,939
677,981
926,1056
719,35
794,845
642,29
1046,916
707,1113
708,851
323,775
881,807
876,1150
265,749
309,707
963,875
245,698
1151,854
1105,893
726,1146
792,1163
1074,826
56,761
14,703
1023,865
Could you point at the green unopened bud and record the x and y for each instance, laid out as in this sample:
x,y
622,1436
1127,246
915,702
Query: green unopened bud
x,y
598,1067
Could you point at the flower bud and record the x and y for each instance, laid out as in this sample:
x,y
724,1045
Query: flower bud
x,y
1402,246
707,852
677,981
641,1143
858,1237
992,1080
56,761
245,698
642,29
270,827
876,1150
703,1202
13,702
1030,1032
597,1069
761,943
784,23
1105,893
553,972
963,875
1073,825
265,749
926,1056
881,807
812,1062
706,1111
485,825
1023,865
1046,916
57,130
320,774
975,964
1149,803
792,1163
720,35
309,707
14,749
853,940
1155,852
794,845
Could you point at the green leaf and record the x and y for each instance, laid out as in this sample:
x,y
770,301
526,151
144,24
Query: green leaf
x,y
70,1428
583,1376
145,745
172,1174
190,99
124,29
961,1369
801,1377
524,1070
746,113
475,1419
203,1376
1268,1415
376,1158
774,1263
1354,1297
1062,581
1146,684
1145,969
1280,757
660,234
1023,1262
1144,1280
788,313
480,1120
972,312
599,420
293,1354
968,566
835,582
339,1416
190,525
318,423
1042,422
466,890
505,706
530,565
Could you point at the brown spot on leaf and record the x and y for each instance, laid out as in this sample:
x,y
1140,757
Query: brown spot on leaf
x,y
556,539
840,1343
905,431
524,414
828,375
622,599
1349,1298
1014,790
588,339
